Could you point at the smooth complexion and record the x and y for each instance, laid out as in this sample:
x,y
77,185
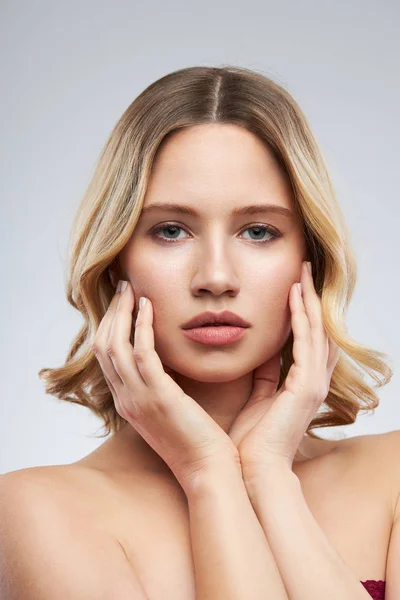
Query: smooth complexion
x,y
213,257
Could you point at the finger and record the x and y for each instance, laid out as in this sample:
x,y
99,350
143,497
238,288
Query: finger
x,y
99,344
119,347
147,359
112,389
138,364
302,349
170,372
312,305
105,324
265,380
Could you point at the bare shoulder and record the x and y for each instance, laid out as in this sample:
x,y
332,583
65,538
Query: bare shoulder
x,y
47,546
376,456
67,493
39,497
376,447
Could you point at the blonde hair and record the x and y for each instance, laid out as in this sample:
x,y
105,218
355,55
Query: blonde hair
x,y
111,206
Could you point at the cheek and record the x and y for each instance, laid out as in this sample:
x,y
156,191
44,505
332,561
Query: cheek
x,y
159,282
269,305
266,293
274,318
268,289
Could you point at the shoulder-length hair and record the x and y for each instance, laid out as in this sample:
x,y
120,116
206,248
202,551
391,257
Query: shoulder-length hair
x,y
110,208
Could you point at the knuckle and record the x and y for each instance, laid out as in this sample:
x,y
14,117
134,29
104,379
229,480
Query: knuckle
x,y
140,355
131,410
137,413
94,348
111,349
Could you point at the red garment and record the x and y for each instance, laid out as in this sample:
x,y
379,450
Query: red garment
x,y
375,588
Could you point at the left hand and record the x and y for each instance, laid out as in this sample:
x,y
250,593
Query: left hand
x,y
269,429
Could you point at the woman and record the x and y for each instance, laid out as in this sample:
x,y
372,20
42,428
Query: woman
x,y
211,196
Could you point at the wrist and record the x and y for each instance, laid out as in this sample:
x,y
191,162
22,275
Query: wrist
x,y
261,480
212,474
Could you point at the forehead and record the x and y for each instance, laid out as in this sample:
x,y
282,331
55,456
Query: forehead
x,y
217,163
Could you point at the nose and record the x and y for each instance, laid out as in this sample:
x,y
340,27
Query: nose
x,y
215,270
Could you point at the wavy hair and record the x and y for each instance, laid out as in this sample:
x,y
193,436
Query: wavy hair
x,y
110,208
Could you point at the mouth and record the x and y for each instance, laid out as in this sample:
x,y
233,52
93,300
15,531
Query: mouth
x,y
212,319
215,325
215,334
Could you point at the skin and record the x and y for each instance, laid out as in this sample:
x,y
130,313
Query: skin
x,y
218,262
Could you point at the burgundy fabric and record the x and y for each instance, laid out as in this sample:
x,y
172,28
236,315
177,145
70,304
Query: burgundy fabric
x,y
375,588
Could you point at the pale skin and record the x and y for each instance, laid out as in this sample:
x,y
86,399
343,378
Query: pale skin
x,y
260,435
216,263
198,416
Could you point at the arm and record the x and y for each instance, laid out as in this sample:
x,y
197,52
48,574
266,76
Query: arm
x,y
231,554
310,566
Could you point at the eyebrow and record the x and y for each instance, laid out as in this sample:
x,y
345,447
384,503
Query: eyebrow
x,y
249,209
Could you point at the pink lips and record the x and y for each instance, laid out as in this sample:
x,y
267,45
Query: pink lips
x,y
226,317
215,335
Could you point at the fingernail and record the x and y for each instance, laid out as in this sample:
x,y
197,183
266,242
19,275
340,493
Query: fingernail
x,y
299,286
142,302
309,265
121,285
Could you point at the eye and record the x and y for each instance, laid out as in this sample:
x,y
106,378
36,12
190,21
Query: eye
x,y
259,229
166,226
262,230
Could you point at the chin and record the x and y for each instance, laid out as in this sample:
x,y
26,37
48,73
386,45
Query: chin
x,y
210,370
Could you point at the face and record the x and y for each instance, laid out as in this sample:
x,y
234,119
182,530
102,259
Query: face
x,y
220,258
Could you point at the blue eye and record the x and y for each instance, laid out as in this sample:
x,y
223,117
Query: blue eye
x,y
259,229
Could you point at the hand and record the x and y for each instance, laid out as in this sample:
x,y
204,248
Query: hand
x,y
173,424
268,430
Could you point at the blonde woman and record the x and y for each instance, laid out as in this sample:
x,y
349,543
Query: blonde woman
x,y
212,202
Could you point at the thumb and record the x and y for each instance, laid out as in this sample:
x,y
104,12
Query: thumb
x,y
170,372
265,380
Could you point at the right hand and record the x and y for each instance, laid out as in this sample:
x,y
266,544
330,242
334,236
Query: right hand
x,y
184,435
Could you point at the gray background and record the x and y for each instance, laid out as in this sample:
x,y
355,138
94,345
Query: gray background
x,y
69,70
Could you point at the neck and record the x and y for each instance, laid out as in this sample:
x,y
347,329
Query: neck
x,y
127,449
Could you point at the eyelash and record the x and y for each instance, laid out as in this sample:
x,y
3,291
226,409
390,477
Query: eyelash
x,y
269,230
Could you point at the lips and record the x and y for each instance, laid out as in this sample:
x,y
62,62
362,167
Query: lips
x,y
226,318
